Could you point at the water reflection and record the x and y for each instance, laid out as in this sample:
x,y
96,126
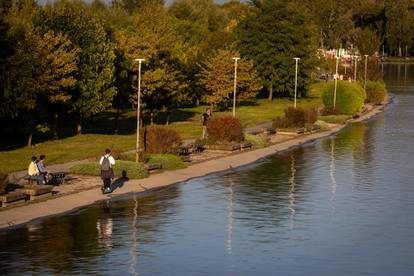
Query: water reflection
x,y
229,214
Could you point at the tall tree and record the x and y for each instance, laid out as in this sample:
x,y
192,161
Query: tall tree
x,y
217,76
38,76
276,33
94,90
399,24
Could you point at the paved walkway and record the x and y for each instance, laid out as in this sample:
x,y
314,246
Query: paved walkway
x,y
28,212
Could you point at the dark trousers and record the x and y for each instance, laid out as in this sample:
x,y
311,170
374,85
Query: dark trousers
x,y
107,183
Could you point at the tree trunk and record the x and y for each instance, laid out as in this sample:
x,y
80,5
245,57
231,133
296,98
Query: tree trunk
x,y
270,92
152,118
168,119
197,102
79,125
116,121
55,126
29,139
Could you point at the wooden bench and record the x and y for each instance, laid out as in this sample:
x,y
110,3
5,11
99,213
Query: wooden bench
x,y
154,166
246,145
31,179
12,198
36,191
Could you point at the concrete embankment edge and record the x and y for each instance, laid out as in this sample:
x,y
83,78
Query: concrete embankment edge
x,y
27,213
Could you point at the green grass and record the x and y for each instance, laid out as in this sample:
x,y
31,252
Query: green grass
x,y
186,121
168,161
133,170
65,150
334,119
257,140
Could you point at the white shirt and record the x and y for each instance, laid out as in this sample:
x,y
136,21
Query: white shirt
x,y
110,158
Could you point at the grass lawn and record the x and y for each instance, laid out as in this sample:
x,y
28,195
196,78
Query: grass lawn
x,y
185,120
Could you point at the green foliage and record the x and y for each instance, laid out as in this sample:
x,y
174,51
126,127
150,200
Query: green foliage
x,y
296,118
133,170
334,119
350,97
167,161
367,41
224,129
376,92
217,76
158,139
258,141
95,60
322,125
271,37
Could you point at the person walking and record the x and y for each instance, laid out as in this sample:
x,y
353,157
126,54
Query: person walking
x,y
204,121
107,162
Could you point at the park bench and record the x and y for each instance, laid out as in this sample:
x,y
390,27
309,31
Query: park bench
x,y
246,145
36,191
12,198
57,178
32,179
153,167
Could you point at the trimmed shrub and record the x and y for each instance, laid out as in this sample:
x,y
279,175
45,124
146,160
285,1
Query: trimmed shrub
x,y
350,97
259,141
167,161
280,122
158,139
322,125
295,116
225,129
133,170
326,111
376,92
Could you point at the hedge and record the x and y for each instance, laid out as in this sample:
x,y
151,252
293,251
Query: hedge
x,y
133,170
350,97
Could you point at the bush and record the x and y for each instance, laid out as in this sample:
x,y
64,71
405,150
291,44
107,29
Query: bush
x,y
159,139
225,129
133,170
167,161
326,111
376,92
350,97
280,122
259,141
296,117
322,125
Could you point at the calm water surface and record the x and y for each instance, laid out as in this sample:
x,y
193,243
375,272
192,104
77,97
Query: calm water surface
x,y
343,205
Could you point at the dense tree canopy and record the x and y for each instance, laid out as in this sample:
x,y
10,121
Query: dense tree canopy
x,y
77,59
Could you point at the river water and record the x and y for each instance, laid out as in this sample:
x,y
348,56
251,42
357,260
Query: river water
x,y
342,205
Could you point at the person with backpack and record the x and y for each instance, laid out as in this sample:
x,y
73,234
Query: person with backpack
x,y
106,162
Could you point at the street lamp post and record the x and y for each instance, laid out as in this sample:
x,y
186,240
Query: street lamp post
x,y
137,154
235,85
365,76
355,71
336,81
296,79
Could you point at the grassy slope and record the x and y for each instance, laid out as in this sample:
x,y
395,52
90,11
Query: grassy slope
x,y
92,145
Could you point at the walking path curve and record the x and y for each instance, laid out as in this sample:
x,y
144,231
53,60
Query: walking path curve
x,y
19,215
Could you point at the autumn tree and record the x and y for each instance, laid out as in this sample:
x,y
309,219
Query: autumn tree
x,y
217,76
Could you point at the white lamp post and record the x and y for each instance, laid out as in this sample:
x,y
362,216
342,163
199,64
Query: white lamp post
x,y
365,77
235,85
296,79
137,154
336,81
355,70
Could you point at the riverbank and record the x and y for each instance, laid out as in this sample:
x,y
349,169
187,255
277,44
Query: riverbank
x,y
23,214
